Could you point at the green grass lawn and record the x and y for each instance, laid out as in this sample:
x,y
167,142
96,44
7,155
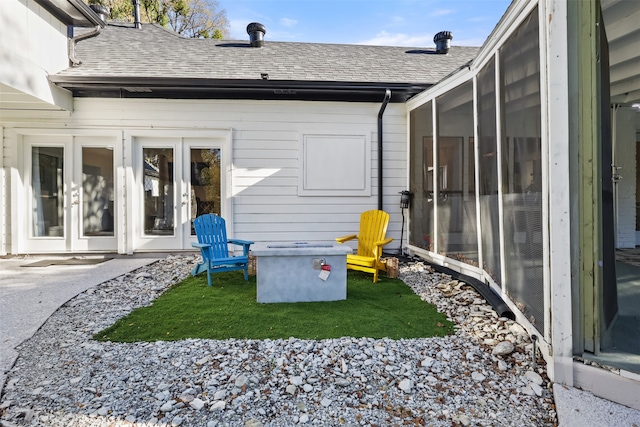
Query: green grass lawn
x,y
228,309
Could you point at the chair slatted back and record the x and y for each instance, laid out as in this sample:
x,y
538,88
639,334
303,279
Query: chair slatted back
x,y
373,228
212,229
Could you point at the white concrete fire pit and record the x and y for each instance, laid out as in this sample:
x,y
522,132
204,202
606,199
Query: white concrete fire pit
x,y
290,272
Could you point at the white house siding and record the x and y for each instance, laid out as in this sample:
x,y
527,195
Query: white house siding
x,y
33,44
625,159
265,143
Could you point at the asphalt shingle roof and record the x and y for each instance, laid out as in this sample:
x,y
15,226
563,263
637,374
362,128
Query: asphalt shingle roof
x,y
121,51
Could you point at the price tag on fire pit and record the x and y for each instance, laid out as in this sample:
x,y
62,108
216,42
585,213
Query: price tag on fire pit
x,y
325,271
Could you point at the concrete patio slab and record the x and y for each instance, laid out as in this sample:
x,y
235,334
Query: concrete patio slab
x,y
28,296
579,408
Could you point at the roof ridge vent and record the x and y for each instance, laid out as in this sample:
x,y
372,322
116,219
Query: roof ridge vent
x,y
443,41
256,33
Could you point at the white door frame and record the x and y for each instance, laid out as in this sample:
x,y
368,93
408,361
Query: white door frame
x,y
22,193
143,241
79,242
181,140
45,244
206,143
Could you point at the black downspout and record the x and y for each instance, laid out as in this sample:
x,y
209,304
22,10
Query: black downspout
x,y
385,101
71,43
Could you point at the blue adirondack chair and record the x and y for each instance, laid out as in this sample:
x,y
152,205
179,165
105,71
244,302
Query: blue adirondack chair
x,y
214,246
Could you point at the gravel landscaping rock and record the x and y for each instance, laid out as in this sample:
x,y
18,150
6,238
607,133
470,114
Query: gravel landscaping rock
x,y
64,378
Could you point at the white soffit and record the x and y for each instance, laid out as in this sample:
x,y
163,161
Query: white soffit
x,y
13,99
621,18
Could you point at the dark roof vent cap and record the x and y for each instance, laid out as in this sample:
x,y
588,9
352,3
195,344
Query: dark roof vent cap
x,y
256,33
443,41
100,10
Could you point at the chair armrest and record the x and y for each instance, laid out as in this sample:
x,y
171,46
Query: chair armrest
x,y
346,238
201,245
244,243
240,242
377,247
383,242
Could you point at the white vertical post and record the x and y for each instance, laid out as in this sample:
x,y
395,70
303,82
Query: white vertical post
x,y
3,198
127,195
498,95
436,173
227,191
555,109
19,229
476,170
544,161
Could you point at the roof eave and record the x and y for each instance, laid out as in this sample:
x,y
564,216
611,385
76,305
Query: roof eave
x,y
189,88
72,12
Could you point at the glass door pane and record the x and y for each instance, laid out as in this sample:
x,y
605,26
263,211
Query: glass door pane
x,y
159,191
205,182
47,165
97,191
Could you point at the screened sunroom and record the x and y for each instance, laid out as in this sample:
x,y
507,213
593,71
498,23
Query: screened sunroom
x,y
476,172
512,183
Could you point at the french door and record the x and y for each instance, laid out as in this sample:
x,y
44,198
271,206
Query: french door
x,y
71,193
177,179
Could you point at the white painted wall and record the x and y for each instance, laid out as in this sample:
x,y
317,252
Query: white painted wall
x,y
625,158
265,162
33,44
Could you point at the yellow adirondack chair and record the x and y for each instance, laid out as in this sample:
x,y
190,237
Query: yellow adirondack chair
x,y
371,239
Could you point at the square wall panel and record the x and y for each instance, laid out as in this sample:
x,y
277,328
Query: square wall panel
x,y
334,165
